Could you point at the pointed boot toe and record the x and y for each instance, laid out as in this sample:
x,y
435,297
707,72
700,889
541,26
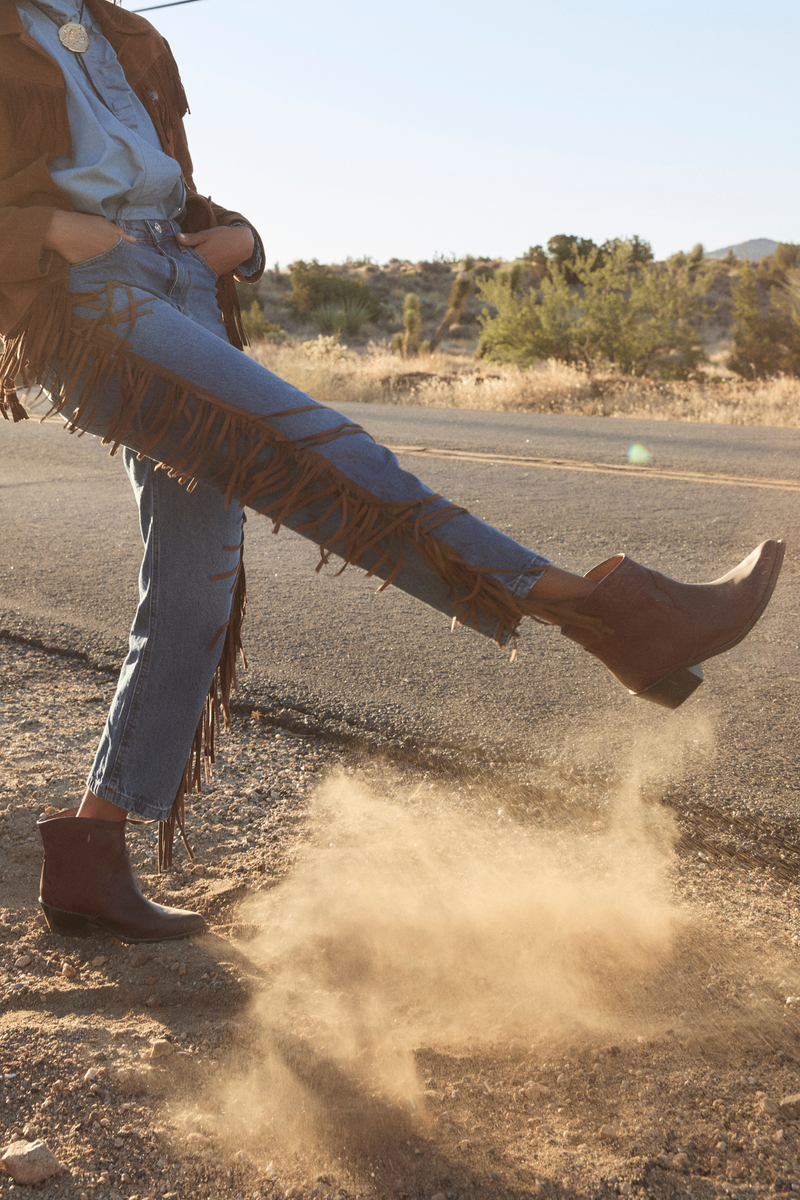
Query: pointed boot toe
x,y
88,885
653,633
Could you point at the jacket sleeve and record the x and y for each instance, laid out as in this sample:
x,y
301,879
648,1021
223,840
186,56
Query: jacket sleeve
x,y
28,199
23,257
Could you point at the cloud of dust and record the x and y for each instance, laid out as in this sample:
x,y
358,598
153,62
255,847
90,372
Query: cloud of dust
x,y
416,924
408,922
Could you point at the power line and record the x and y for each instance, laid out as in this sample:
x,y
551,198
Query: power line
x,y
172,4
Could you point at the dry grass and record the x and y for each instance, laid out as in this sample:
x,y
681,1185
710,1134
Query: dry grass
x,y
334,374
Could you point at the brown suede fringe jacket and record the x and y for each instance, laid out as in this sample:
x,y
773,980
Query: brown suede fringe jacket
x,y
38,326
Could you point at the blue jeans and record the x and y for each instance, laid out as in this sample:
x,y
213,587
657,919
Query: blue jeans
x,y
172,390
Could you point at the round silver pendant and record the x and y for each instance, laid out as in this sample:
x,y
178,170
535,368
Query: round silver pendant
x,y
74,37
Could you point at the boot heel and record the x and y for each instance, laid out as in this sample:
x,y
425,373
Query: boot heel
x,y
67,924
674,688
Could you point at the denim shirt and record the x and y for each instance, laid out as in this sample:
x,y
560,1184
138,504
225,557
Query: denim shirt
x,y
117,168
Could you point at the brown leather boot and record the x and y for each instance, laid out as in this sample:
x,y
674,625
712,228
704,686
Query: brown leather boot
x,y
87,884
658,631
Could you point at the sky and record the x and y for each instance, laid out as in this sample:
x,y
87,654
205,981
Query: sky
x,y
364,128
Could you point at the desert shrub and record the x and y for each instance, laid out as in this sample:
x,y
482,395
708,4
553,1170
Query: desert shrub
x,y
313,286
641,318
346,316
564,248
257,327
766,329
326,349
785,256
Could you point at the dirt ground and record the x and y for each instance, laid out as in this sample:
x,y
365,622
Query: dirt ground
x,y
452,990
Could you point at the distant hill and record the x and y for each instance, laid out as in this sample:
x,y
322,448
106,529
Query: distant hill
x,y
753,250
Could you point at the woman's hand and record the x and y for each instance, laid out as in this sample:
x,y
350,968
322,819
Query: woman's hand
x,y
78,236
223,248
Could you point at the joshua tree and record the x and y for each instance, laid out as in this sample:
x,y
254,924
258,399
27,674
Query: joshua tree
x,y
412,320
460,293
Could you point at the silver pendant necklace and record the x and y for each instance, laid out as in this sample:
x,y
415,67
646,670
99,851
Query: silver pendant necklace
x,y
73,36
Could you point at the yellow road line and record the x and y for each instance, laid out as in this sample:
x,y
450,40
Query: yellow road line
x,y
623,469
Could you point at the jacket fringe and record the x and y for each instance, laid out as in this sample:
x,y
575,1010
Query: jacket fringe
x,y
35,113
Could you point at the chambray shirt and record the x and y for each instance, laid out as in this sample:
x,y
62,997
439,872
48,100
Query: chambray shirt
x,y
117,168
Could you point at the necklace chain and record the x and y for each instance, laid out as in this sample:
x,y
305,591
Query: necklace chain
x,y
78,49
72,34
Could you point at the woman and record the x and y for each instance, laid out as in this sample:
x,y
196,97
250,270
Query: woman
x,y
117,293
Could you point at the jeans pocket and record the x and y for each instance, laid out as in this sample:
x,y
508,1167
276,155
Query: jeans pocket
x,y
200,259
88,263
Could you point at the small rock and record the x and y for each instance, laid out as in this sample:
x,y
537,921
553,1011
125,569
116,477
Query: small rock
x,y
197,1141
665,1162
138,960
608,1133
535,1091
94,1089
24,960
30,1162
790,1107
199,869
681,1162
90,1075
152,1002
161,1048
100,961
68,971
768,1105
721,1147
735,1169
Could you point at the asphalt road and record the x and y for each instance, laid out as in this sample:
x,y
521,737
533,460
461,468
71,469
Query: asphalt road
x,y
333,648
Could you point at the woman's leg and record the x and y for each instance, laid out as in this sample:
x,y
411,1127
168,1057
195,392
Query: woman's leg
x,y
192,548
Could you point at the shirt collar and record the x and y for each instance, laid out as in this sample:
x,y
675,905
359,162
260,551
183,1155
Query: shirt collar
x,y
61,10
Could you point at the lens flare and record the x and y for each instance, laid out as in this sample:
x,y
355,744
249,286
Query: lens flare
x,y
639,455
